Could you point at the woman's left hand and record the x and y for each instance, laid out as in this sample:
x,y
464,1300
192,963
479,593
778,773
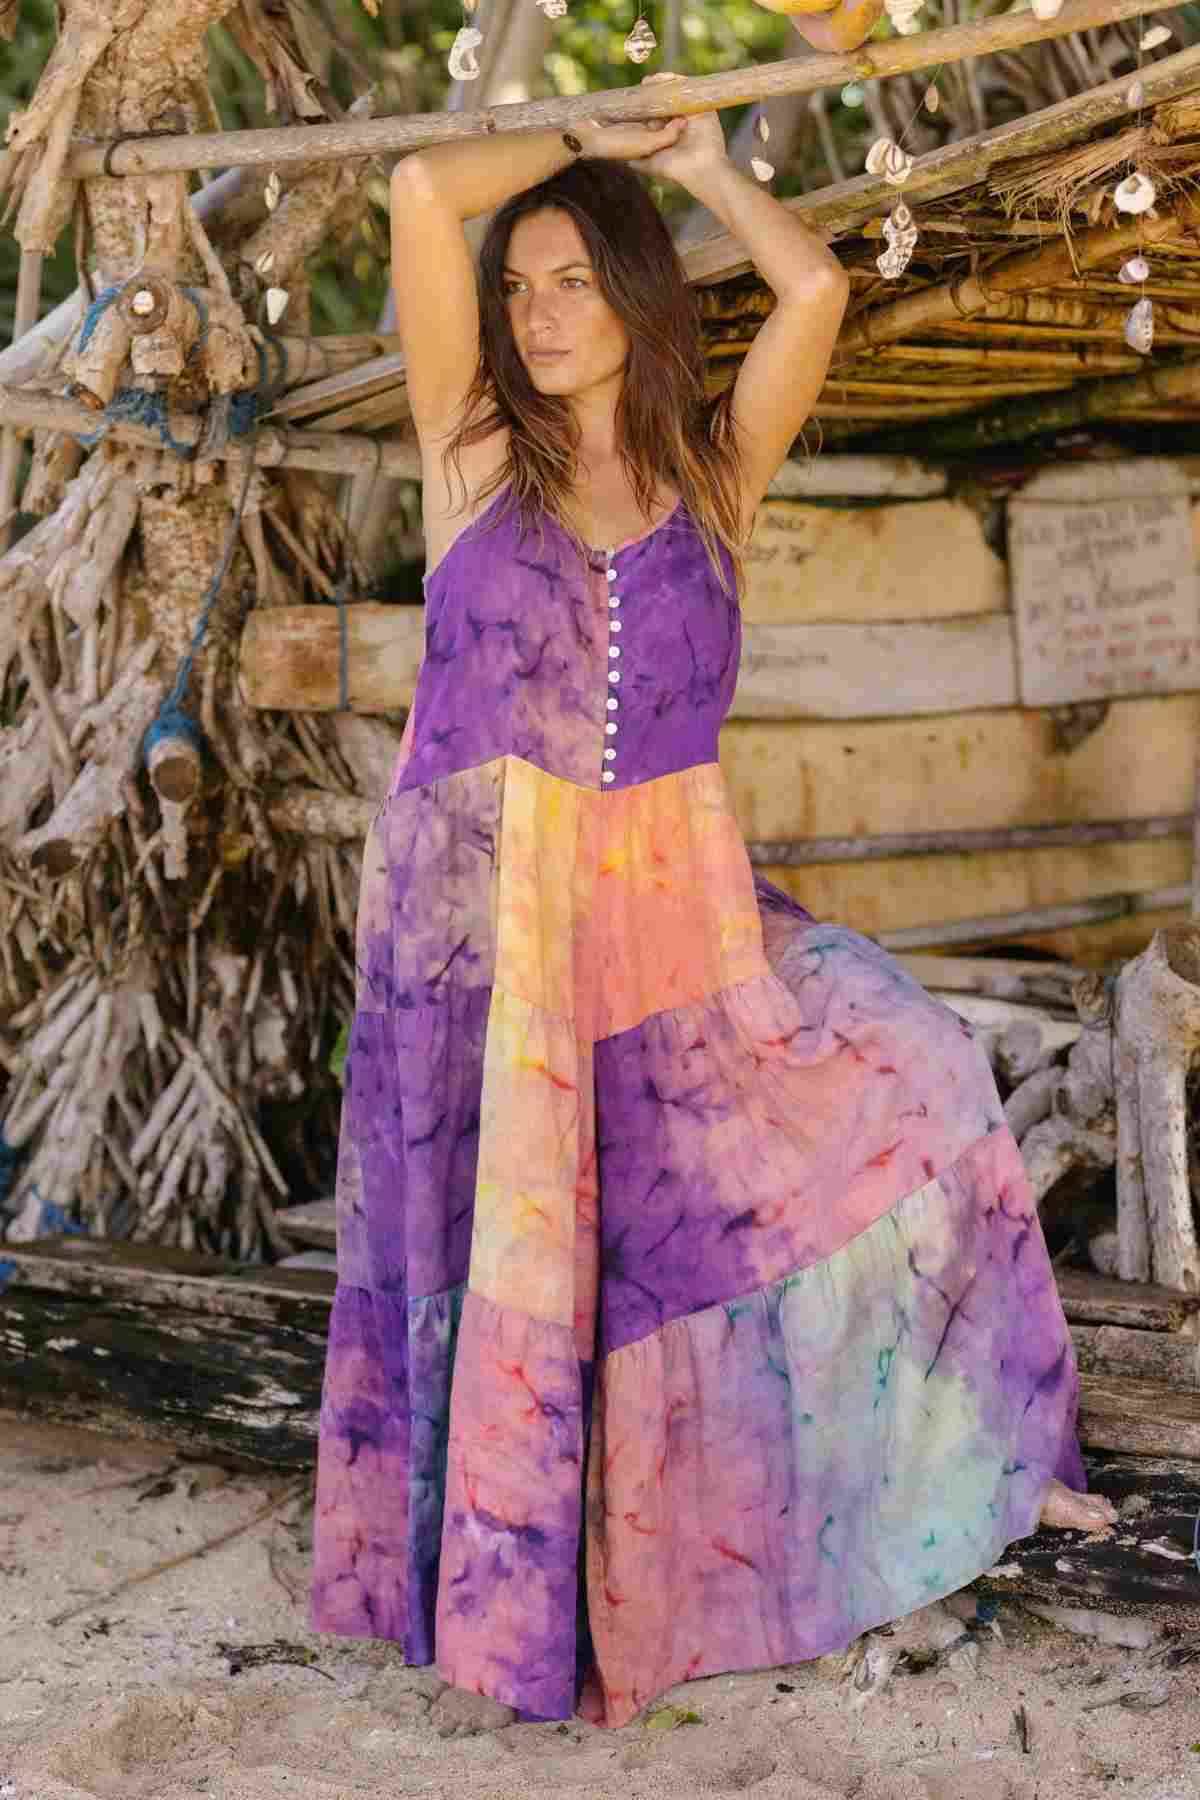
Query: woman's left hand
x,y
700,144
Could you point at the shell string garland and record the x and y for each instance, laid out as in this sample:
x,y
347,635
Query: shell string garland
x,y
554,9
1135,195
463,62
900,230
641,43
903,15
763,170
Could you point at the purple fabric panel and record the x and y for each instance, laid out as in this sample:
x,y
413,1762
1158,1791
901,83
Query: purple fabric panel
x,y
360,1585
432,1335
509,1579
680,642
514,644
410,1128
517,655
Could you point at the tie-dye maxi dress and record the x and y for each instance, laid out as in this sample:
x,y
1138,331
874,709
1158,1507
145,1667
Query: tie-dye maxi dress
x,y
685,1262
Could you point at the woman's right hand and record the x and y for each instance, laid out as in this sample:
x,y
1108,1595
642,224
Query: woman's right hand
x,y
627,140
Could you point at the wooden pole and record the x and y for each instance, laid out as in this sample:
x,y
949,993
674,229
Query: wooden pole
x,y
1061,411
1057,261
1100,911
795,853
374,137
322,452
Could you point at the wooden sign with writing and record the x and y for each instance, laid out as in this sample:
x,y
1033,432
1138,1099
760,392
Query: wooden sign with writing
x,y
1104,583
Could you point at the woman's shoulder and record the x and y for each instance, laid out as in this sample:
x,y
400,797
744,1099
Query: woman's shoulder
x,y
455,497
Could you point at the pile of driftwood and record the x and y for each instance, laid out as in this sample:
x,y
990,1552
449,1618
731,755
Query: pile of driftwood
x,y
1095,1070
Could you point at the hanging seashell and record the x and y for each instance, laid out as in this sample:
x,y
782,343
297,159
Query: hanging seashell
x,y
265,263
1135,95
463,62
897,165
900,231
932,99
1157,34
641,43
553,9
762,130
277,304
1135,194
1135,270
876,154
903,15
852,94
272,191
1139,327
763,171
1046,9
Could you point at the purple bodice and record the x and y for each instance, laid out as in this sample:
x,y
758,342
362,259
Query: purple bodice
x,y
604,673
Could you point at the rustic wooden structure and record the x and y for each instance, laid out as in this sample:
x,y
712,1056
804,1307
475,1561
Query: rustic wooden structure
x,y
888,765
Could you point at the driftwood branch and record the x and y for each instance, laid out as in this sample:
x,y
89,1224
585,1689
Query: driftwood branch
x,y
374,137
327,452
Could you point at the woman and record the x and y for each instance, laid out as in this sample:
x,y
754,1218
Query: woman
x,y
693,1313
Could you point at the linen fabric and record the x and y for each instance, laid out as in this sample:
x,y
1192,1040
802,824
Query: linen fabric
x,y
693,1313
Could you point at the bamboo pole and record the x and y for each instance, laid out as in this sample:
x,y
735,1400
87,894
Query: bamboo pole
x,y
958,164
796,853
956,300
1068,407
321,452
1100,911
374,137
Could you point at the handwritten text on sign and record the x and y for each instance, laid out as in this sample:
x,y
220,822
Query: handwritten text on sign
x,y
1105,594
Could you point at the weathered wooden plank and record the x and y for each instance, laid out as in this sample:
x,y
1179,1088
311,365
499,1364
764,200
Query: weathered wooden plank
x,y
314,1223
1099,1300
290,661
1139,1418
1161,1356
1144,1569
1035,983
141,1275
210,1382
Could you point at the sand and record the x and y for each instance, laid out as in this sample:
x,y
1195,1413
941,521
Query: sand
x,y
133,1699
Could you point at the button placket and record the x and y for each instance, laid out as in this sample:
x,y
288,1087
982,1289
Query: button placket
x,y
608,774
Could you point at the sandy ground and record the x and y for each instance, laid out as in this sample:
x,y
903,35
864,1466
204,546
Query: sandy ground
x,y
134,1698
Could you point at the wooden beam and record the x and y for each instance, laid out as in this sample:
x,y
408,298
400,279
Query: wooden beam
x,y
1100,1300
1140,1418
998,927
1016,420
375,137
957,165
1138,1355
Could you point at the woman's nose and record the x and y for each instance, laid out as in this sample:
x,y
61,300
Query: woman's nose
x,y
541,312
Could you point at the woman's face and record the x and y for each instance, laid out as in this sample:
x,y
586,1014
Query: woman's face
x,y
566,333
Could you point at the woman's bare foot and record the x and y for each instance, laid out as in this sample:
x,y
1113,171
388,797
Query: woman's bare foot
x,y
459,1713
1064,1508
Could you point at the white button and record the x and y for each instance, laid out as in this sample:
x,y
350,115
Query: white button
x,y
613,703
614,599
614,649
608,775
614,624
610,730
611,573
614,675
610,756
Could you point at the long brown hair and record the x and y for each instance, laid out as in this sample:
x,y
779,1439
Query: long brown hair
x,y
667,431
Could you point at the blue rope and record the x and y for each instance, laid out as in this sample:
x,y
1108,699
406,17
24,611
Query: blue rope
x,y
53,1218
96,312
7,1271
9,1158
